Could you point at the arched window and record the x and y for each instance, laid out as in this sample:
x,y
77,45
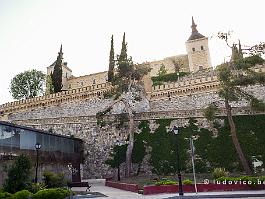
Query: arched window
x,y
193,49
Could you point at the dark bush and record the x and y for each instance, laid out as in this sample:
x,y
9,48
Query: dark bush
x,y
53,180
18,175
170,77
248,62
52,194
35,187
24,194
5,195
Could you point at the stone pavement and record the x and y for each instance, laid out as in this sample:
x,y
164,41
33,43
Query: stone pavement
x,y
98,190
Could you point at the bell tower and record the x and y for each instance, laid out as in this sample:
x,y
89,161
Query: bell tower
x,y
198,50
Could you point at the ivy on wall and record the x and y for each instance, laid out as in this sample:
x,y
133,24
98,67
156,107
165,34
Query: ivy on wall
x,y
211,151
170,77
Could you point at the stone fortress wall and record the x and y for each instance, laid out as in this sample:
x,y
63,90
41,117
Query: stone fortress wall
x,y
203,85
74,113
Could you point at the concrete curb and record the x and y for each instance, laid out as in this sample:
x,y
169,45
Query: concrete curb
x,y
219,196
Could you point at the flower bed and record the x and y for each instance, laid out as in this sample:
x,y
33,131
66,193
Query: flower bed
x,y
123,186
154,189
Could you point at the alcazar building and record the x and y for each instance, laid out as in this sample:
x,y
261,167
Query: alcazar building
x,y
73,111
197,58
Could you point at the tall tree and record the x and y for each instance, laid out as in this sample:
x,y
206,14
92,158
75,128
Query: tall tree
x,y
57,73
234,76
125,65
27,84
111,62
162,70
127,88
49,85
19,174
117,157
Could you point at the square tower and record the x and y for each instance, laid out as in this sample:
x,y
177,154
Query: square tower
x,y
198,50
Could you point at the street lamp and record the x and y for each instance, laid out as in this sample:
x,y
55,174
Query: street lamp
x,y
38,147
119,144
178,75
176,131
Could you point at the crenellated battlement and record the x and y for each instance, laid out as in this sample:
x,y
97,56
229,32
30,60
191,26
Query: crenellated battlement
x,y
186,86
56,98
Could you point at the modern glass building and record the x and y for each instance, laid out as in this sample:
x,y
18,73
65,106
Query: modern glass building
x,y
16,140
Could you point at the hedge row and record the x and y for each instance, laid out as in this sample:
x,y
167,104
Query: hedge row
x,y
56,193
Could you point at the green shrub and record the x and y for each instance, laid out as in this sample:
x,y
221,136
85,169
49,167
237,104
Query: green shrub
x,y
165,182
210,111
53,180
35,187
52,194
18,175
220,172
6,195
248,62
187,182
24,194
108,94
170,77
262,178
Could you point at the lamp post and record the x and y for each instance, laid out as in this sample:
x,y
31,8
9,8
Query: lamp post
x,y
178,75
38,147
176,132
119,144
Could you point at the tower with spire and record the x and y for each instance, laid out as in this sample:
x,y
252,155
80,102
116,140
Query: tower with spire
x,y
198,50
66,71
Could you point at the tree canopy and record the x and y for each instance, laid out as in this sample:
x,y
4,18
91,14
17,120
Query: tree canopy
x,y
127,88
27,84
57,73
18,175
234,76
111,62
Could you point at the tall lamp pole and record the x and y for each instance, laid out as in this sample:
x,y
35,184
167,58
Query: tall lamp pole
x,y
176,131
119,144
38,147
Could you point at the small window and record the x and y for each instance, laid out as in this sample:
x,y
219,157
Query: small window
x,y
193,49
201,47
94,81
66,74
82,83
69,86
200,67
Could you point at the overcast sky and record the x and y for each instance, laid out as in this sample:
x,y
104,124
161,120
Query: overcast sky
x,y
31,31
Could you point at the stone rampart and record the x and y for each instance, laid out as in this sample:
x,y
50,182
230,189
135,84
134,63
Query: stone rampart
x,y
192,85
99,141
73,113
89,92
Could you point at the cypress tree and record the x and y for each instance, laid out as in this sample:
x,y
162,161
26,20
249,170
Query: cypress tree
x,y
125,65
111,62
57,73
123,56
